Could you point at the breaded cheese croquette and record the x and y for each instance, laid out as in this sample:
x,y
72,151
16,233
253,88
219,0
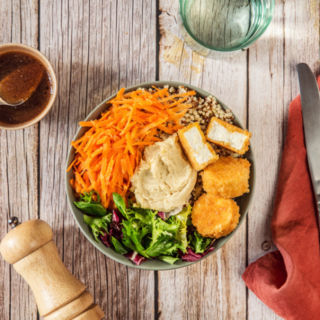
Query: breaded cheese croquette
x,y
228,136
196,147
215,217
227,178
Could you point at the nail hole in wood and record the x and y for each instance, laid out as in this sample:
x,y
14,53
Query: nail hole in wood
x,y
266,245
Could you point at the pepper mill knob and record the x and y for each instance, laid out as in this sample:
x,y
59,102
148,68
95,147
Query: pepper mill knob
x,y
34,255
13,222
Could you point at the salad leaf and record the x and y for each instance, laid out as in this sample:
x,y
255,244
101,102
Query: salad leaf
x,y
168,259
147,234
90,206
132,237
119,202
118,246
191,256
171,225
162,215
135,257
115,216
106,239
164,246
208,251
87,197
182,217
199,243
115,230
99,226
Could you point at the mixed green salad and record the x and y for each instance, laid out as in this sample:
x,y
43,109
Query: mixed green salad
x,y
141,234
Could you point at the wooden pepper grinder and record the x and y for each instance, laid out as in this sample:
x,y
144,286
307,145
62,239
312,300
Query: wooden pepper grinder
x,y
59,294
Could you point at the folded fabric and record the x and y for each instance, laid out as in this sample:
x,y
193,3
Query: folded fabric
x,y
288,280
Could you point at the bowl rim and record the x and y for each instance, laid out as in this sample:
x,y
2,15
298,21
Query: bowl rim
x,y
18,47
114,255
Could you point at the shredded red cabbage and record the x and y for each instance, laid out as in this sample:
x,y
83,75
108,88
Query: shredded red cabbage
x,y
105,239
191,229
208,251
135,257
115,216
115,231
162,215
115,227
191,256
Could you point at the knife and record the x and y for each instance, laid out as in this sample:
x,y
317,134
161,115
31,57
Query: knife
x,y
310,102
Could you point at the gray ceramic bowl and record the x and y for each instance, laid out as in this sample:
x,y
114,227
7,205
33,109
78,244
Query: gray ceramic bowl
x,y
155,265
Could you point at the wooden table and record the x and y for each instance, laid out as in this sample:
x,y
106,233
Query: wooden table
x,y
98,46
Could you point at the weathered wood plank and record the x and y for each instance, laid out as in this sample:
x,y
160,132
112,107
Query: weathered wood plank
x,y
18,166
95,49
212,289
292,37
266,110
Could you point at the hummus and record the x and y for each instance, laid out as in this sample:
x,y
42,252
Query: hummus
x,y
164,180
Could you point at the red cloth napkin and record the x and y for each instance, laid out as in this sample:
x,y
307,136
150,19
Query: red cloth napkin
x,y
288,280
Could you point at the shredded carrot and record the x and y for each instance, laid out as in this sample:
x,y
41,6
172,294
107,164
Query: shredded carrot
x,y
87,124
71,165
165,129
86,179
77,187
80,180
181,107
110,151
72,183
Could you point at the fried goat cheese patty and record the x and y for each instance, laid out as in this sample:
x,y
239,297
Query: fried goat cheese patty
x,y
227,178
215,217
164,179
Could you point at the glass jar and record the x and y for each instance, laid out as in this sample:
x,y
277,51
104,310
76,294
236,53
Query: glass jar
x,y
220,26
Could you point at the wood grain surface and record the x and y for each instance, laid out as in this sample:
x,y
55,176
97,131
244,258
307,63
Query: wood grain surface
x,y
212,289
18,166
91,46
257,85
98,46
95,47
293,37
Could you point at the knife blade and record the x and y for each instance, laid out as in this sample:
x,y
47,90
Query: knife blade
x,y
310,102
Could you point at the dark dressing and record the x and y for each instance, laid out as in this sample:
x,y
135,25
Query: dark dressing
x,y
36,85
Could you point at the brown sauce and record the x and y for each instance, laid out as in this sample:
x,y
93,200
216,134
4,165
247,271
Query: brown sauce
x,y
22,76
